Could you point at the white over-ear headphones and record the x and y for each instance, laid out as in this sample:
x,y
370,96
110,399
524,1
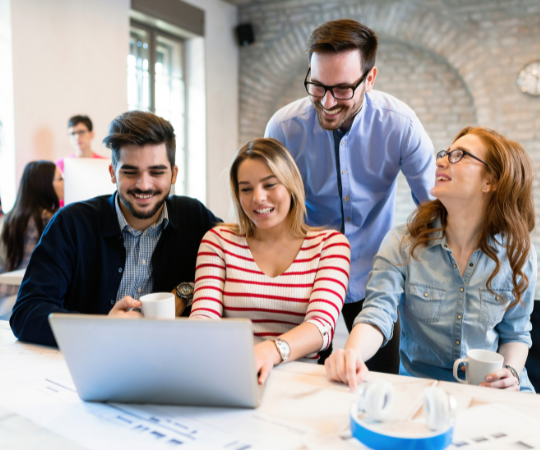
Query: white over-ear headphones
x,y
376,400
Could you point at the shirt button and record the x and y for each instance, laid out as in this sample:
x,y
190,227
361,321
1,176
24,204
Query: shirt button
x,y
348,219
459,317
461,289
144,261
347,198
425,294
455,266
120,270
471,264
139,289
457,342
342,142
112,302
343,172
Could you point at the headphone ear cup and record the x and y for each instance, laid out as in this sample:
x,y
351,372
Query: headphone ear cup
x,y
379,399
436,408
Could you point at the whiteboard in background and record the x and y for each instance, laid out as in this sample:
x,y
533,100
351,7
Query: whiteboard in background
x,y
86,178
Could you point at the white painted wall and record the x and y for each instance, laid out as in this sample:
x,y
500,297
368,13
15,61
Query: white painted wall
x,y
69,57
7,125
222,58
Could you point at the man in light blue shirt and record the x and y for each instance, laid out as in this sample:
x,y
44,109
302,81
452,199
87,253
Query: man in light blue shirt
x,y
350,142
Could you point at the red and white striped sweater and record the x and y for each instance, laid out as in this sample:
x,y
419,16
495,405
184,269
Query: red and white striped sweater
x,y
228,283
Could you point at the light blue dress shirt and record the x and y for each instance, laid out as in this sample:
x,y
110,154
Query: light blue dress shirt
x,y
138,276
385,137
444,314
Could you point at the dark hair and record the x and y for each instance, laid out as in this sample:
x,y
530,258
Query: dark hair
x,y
85,120
140,128
509,212
36,193
345,34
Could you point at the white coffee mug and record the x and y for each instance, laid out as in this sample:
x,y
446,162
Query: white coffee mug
x,y
158,306
479,364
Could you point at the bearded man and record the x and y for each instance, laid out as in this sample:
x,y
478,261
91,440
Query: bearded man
x,y
350,142
100,256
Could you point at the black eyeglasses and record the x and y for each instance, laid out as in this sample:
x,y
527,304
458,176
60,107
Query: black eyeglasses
x,y
78,133
457,155
339,92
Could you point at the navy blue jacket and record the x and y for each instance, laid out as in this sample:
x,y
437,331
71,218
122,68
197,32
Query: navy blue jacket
x,y
77,265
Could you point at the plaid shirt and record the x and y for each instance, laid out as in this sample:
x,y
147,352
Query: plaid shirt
x,y
138,278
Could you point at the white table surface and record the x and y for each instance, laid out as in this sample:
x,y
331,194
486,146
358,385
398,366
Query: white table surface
x,y
299,402
14,278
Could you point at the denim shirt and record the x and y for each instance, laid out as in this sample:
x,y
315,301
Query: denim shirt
x,y
444,314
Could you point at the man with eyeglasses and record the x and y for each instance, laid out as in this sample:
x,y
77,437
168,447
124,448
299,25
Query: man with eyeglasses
x,y
350,143
81,134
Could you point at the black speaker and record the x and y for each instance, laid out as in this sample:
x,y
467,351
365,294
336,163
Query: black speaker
x,y
244,34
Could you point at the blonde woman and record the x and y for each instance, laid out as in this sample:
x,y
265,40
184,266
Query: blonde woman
x,y
288,278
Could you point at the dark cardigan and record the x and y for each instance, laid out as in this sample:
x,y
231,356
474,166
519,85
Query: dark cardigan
x,y
78,263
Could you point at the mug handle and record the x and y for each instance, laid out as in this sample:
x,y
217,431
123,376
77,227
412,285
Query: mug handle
x,y
456,365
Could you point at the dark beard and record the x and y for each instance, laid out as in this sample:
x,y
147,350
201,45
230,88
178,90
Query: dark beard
x,y
320,118
140,214
349,112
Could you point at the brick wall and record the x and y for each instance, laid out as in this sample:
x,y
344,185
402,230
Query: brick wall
x,y
455,62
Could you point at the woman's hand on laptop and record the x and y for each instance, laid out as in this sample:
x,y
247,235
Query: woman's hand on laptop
x,y
121,308
266,357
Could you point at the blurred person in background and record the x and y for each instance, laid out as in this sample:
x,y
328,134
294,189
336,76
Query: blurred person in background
x,y
81,135
40,192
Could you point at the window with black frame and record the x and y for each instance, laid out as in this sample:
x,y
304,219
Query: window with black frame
x,y
156,83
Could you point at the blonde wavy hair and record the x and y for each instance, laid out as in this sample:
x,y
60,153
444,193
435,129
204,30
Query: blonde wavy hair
x,y
282,165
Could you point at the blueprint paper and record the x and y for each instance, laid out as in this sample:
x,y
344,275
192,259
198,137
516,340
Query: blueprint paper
x,y
35,384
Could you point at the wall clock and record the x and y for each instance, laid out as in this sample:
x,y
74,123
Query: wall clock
x,y
528,80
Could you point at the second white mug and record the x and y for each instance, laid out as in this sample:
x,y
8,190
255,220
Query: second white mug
x,y
479,364
160,305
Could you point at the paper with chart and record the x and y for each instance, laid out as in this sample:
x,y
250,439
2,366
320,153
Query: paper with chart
x,y
35,383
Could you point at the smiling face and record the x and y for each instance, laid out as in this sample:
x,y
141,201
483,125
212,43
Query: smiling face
x,y
464,181
143,177
264,199
339,69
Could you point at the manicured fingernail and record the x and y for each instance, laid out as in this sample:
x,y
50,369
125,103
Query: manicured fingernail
x,y
489,378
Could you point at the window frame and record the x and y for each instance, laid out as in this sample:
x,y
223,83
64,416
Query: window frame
x,y
153,34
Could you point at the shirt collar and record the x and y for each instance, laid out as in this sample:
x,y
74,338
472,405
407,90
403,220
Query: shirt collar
x,y
162,219
359,114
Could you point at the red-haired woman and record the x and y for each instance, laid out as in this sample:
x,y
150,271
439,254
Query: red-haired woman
x,y
462,272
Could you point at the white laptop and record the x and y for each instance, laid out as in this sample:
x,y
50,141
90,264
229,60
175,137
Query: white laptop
x,y
176,362
86,178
